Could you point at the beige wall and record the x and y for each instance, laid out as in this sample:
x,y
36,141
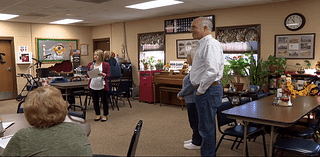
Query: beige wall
x,y
270,16
25,34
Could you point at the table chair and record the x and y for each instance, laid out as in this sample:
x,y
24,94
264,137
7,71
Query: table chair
x,y
20,107
79,91
300,146
300,131
133,143
120,89
73,112
236,130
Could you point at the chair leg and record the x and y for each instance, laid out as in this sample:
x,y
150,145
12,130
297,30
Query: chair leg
x,y
221,138
239,143
111,104
129,102
116,101
234,142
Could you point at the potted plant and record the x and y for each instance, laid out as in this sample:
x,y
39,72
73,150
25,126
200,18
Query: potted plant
x,y
276,65
227,77
239,67
148,62
159,65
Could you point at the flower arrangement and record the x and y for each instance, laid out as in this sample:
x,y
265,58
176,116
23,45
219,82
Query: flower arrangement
x,y
148,62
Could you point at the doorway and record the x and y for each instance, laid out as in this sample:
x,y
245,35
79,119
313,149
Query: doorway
x,y
103,44
8,81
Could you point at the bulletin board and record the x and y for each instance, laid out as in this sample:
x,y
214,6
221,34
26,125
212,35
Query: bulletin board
x,y
52,50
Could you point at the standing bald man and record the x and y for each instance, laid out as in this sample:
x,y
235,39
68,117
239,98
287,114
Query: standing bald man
x,y
205,75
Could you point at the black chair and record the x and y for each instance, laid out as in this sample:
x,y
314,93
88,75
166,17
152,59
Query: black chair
x,y
236,130
133,143
20,107
301,146
301,131
135,140
73,112
120,89
81,91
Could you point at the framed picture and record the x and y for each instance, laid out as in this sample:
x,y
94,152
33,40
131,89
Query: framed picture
x,y
52,50
185,46
84,49
295,46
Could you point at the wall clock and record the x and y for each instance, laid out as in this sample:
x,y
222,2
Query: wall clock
x,y
294,21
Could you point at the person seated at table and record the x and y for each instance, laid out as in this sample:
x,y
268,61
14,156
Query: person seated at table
x,y
45,110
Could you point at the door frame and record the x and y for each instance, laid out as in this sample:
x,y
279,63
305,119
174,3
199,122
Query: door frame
x,y
13,60
99,40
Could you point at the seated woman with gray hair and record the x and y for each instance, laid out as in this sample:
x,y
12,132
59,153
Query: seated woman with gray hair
x,y
45,110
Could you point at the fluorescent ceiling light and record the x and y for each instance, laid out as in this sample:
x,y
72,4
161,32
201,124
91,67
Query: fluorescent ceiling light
x,y
7,16
153,4
66,21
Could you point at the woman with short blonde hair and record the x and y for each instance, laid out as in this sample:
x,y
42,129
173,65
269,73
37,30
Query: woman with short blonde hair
x,y
45,107
45,110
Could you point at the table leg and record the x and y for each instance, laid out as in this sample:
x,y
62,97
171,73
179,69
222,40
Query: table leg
x,y
67,97
271,140
245,138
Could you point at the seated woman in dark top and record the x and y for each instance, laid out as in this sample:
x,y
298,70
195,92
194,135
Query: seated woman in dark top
x,y
111,60
45,110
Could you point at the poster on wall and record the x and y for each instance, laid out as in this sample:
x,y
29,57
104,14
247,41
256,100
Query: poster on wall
x,y
51,50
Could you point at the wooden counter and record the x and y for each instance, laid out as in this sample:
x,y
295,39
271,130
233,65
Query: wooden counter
x,y
171,80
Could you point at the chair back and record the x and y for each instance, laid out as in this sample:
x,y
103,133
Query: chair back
x,y
135,139
124,85
20,107
222,118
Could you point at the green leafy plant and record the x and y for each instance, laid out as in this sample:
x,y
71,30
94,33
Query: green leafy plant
x,y
160,64
239,67
276,65
148,61
258,71
308,64
227,77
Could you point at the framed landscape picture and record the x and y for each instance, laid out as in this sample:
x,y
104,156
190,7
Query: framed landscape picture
x,y
295,46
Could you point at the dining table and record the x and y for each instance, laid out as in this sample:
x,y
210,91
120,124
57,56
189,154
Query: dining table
x,y
69,85
263,111
20,122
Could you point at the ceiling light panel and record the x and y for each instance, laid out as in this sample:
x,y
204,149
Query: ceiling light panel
x,y
154,4
7,16
66,21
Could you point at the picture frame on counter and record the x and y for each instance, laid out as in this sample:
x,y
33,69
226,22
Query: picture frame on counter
x,y
184,46
84,49
295,46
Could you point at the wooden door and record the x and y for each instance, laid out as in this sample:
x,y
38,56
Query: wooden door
x,y
8,83
103,44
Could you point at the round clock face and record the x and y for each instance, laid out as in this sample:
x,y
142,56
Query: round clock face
x,y
294,21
